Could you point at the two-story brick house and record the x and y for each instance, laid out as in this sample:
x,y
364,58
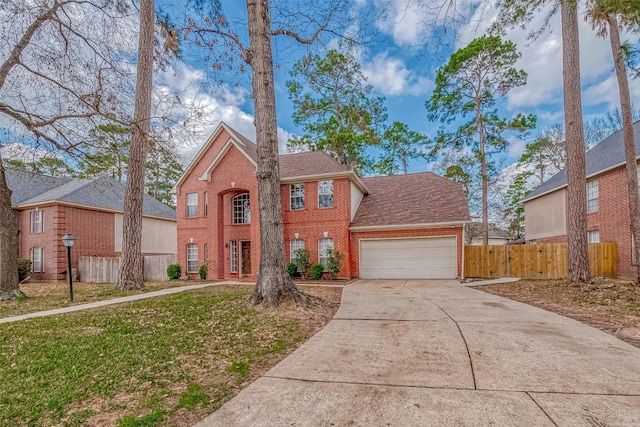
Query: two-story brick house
x,y
607,202
406,226
45,208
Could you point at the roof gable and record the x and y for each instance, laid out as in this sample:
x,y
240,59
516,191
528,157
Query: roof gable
x,y
607,155
412,199
206,176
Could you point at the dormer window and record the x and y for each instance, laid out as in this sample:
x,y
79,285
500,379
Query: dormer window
x,y
242,209
297,197
325,194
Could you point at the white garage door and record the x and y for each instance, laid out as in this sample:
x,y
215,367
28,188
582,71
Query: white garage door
x,y
428,258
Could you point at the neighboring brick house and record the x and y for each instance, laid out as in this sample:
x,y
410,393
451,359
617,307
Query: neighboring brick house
x,y
47,207
407,226
607,202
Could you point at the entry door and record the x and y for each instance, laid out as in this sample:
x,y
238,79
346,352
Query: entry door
x,y
246,258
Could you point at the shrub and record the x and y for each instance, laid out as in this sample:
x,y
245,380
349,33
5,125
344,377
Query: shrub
x,y
24,265
174,271
302,261
335,258
202,271
292,268
316,271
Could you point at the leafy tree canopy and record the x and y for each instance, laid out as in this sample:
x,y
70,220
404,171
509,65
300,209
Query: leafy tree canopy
x,y
336,109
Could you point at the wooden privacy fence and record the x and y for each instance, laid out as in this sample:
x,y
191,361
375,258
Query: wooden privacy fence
x,y
541,261
105,269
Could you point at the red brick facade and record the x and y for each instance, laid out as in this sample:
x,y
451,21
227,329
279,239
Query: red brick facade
x,y
233,174
611,220
93,230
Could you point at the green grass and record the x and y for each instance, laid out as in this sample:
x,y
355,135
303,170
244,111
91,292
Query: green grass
x,y
140,361
50,295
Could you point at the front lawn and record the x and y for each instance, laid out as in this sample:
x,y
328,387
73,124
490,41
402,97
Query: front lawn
x,y
49,295
163,361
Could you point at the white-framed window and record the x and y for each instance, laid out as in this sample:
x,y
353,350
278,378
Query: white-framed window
x,y
592,196
297,196
37,221
294,246
242,209
37,260
323,245
233,252
593,236
206,203
192,258
192,205
325,194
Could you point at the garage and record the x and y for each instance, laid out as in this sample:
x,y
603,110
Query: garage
x,y
413,258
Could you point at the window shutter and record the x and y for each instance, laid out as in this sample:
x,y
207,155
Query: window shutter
x,y
31,222
42,221
42,258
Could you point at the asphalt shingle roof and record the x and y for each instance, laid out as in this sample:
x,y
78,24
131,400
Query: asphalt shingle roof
x,y
102,192
605,155
421,198
26,185
309,163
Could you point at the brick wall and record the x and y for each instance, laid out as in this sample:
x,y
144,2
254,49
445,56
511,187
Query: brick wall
x,y
426,232
93,230
612,218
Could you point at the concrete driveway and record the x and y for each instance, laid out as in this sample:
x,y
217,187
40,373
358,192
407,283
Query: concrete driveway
x,y
435,353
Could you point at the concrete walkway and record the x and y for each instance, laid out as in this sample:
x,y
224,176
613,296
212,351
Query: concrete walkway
x,y
436,353
119,300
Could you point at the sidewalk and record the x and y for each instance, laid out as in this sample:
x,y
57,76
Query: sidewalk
x,y
119,300
436,353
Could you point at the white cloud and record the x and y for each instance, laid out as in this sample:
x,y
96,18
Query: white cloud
x,y
542,59
392,77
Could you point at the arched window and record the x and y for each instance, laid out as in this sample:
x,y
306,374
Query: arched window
x,y
242,209
295,245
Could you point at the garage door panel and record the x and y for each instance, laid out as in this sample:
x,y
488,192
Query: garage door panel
x,y
428,258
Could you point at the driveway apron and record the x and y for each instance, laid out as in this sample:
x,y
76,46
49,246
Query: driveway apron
x,y
436,353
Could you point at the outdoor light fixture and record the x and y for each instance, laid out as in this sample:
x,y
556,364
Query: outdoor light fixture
x,y
68,240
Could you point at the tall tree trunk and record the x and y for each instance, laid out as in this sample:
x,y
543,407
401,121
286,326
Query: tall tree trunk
x,y
274,282
485,185
9,288
576,174
629,137
130,275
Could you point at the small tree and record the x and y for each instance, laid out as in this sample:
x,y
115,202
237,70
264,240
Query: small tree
x,y
303,264
335,258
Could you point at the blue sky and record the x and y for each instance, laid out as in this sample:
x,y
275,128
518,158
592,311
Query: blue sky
x,y
403,72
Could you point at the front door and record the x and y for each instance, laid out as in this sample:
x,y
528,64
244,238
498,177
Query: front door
x,y
246,258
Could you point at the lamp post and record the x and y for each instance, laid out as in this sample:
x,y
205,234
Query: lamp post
x,y
68,240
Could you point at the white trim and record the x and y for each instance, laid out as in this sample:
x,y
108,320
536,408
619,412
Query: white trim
x,y
232,244
409,238
351,175
409,226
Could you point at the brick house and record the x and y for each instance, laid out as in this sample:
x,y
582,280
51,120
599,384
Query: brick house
x,y
407,226
607,202
45,208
